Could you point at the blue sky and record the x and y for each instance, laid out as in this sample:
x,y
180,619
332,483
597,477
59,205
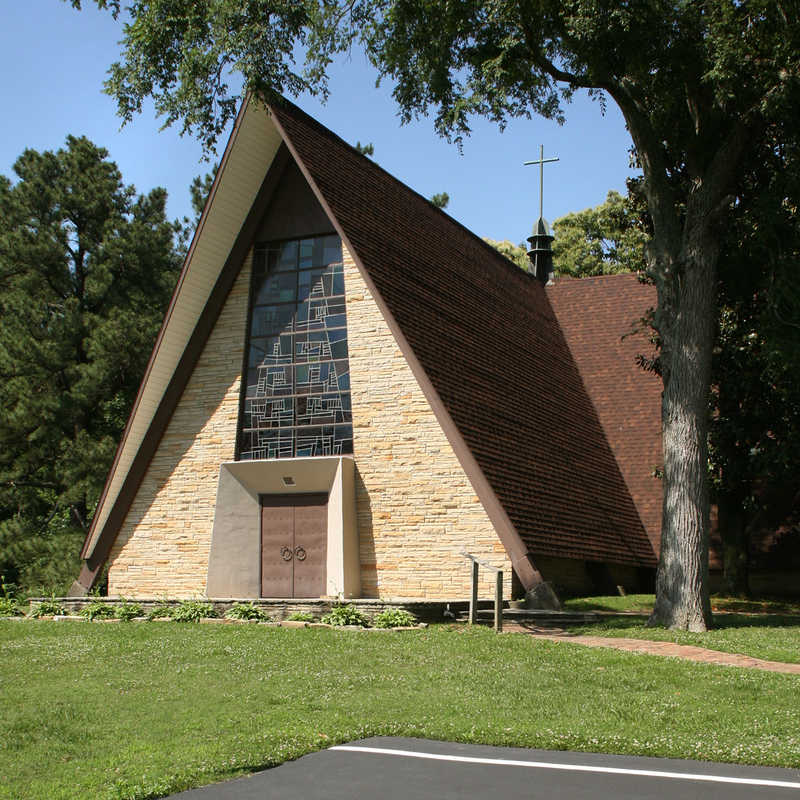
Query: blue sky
x,y
54,60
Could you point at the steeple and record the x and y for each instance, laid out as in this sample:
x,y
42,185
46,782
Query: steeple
x,y
541,253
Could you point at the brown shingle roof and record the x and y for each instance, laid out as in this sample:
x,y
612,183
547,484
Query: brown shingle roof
x,y
599,316
488,340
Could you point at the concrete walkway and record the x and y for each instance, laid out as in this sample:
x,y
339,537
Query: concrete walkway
x,y
688,652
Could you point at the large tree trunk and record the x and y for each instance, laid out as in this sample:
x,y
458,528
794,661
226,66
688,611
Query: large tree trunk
x,y
682,599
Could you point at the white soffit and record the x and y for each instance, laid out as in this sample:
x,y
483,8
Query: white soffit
x,y
251,149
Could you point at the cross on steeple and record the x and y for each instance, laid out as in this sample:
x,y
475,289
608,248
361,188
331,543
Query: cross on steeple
x,y
541,161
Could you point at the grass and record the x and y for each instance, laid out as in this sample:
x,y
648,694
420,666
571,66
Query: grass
x,y
771,636
643,604
143,710
768,629
634,603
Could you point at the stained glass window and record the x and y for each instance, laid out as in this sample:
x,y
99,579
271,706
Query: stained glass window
x,y
297,391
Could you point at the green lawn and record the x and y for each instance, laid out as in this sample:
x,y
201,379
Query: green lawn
x,y
142,710
643,604
767,629
770,636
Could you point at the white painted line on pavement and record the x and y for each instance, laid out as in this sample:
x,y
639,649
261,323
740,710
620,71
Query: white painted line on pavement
x,y
507,762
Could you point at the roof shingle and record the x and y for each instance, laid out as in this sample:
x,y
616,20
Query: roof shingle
x,y
489,341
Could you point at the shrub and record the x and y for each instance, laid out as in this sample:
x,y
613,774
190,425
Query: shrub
x,y
346,615
193,611
394,618
8,600
247,611
161,610
126,610
48,608
9,607
97,610
300,616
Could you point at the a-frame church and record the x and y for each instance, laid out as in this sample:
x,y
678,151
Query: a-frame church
x,y
350,391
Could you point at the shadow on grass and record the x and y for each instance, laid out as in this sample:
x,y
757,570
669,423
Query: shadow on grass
x,y
722,621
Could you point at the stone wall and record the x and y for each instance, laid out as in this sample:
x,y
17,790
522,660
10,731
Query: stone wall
x,y
415,506
163,545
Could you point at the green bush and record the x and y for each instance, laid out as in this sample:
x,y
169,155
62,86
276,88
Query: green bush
x,y
8,601
346,615
97,610
394,618
300,616
48,608
193,611
161,610
9,607
247,611
126,610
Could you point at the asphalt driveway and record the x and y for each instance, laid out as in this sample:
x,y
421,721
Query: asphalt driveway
x,y
392,768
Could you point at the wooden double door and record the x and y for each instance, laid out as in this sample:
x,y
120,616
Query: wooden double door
x,y
294,539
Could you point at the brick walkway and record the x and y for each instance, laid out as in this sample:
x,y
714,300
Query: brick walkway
x,y
689,652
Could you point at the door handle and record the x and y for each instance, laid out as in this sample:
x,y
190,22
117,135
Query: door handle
x,y
286,553
300,553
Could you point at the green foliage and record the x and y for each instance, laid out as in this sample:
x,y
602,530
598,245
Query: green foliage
x,y
8,602
41,561
160,611
200,189
394,618
48,608
603,240
193,611
127,610
9,607
86,270
97,609
754,441
300,616
247,611
365,149
441,200
513,252
345,615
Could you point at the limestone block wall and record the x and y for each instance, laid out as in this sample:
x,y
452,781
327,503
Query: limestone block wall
x,y
415,506
163,546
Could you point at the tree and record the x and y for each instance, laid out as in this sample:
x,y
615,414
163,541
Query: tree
x,y
603,240
86,270
199,190
706,87
755,425
517,253
441,200
366,149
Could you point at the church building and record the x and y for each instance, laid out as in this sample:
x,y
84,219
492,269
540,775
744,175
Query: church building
x,y
350,391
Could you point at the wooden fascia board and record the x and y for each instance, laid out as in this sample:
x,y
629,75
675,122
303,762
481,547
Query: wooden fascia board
x,y
517,550
183,371
167,317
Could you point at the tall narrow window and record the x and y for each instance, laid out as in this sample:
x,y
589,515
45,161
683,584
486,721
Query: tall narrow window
x,y
297,393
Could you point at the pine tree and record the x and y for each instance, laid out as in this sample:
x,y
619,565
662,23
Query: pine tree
x,y
86,270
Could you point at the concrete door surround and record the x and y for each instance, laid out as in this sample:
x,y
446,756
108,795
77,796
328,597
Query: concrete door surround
x,y
235,557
